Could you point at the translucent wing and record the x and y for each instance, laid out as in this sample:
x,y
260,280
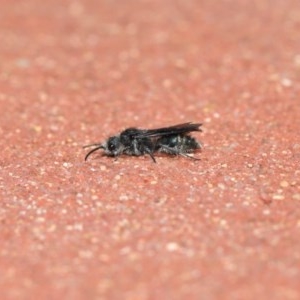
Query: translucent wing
x,y
176,129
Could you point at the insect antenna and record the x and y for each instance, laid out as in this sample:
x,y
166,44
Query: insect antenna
x,y
91,145
98,146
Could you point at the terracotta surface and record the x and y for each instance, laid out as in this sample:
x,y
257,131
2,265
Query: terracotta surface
x,y
76,72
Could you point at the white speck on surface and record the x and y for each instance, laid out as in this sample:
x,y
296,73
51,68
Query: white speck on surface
x,y
297,60
52,228
95,197
172,246
85,254
278,197
75,227
117,177
284,184
221,186
123,198
103,168
286,82
67,165
296,196
223,223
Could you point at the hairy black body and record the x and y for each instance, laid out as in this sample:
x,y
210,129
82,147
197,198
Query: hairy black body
x,y
132,141
177,145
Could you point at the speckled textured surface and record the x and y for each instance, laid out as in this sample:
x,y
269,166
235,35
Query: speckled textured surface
x,y
75,72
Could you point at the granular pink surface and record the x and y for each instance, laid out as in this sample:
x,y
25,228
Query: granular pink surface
x,y
76,72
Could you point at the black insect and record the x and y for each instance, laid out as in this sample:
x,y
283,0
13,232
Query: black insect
x,y
172,140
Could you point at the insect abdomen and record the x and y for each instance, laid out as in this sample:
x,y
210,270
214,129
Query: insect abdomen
x,y
177,144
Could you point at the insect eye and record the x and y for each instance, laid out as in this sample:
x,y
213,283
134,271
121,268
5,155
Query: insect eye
x,y
111,146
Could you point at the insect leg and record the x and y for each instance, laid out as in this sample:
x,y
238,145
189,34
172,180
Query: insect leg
x,y
152,156
188,156
172,151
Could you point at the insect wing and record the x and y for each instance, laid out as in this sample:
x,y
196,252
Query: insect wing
x,y
176,129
